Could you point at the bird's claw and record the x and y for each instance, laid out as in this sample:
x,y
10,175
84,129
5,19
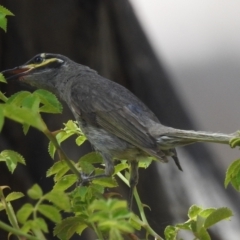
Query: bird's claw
x,y
85,178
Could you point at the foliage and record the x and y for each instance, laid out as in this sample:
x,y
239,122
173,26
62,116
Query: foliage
x,y
85,206
3,20
233,171
199,221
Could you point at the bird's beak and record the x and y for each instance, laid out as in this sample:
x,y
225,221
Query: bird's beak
x,y
17,73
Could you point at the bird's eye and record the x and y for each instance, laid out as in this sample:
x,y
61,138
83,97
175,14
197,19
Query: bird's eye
x,y
38,60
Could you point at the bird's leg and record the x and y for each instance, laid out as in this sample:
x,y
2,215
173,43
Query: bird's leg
x,y
132,181
109,170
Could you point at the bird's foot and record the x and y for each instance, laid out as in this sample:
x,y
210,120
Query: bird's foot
x,y
85,178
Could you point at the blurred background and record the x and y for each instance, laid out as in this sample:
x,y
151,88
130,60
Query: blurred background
x,y
179,57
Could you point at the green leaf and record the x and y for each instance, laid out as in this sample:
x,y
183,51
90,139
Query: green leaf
x,y
194,211
59,169
40,222
32,102
3,22
69,226
235,141
206,212
1,119
186,226
17,98
119,167
199,222
65,182
24,116
218,215
232,171
72,126
61,136
106,182
24,212
3,97
87,168
14,196
144,162
49,101
2,207
50,212
2,79
135,222
55,196
56,167
170,233
236,181
92,157
80,140
5,11
51,150
35,192
203,234
11,158
25,128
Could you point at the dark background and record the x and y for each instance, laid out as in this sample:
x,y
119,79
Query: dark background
x,y
106,36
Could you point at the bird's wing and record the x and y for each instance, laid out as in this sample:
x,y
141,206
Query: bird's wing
x,y
115,109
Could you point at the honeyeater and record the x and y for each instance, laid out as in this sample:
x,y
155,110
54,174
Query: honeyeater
x,y
114,120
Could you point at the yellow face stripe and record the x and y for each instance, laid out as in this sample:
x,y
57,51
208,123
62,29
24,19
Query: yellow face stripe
x,y
44,63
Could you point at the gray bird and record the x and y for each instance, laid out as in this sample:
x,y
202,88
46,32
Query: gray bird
x,y
114,120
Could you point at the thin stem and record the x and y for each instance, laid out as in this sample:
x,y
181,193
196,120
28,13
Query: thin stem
x,y
17,232
64,157
145,223
98,233
10,212
38,232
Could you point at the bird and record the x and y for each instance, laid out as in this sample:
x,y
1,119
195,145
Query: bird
x,y
114,120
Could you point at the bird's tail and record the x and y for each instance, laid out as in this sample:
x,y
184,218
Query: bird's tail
x,y
170,137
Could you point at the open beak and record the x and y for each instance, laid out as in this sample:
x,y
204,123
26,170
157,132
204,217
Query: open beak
x,y
16,73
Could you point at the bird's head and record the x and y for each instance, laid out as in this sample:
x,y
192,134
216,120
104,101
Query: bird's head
x,y
42,71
